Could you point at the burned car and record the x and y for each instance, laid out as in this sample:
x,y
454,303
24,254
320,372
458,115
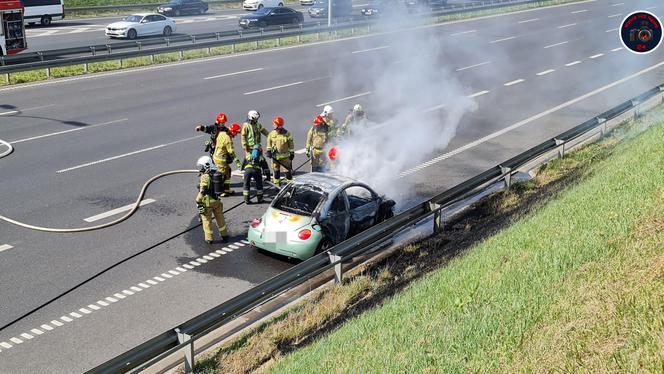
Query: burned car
x,y
315,212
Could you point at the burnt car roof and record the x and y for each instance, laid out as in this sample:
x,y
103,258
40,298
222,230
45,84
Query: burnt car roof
x,y
326,182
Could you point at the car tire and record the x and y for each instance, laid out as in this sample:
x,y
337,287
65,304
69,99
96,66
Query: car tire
x,y
132,34
167,31
281,4
260,6
177,13
46,20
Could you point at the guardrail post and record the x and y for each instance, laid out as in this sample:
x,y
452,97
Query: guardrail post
x,y
85,67
217,35
338,268
437,217
139,45
48,72
109,48
181,55
561,147
507,172
637,108
189,350
602,129
193,39
7,78
168,42
93,50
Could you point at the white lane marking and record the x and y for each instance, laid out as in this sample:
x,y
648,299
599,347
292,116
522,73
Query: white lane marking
x,y
612,30
555,45
150,281
93,307
476,94
202,260
616,49
143,285
111,299
85,311
545,72
227,249
233,246
68,131
45,33
119,296
246,242
56,323
46,327
617,4
344,98
274,88
209,258
16,340
596,56
174,272
117,211
213,254
240,244
615,15
568,25
195,263
5,345
573,63
187,266
25,110
127,154
371,49
514,82
181,270
232,74
220,252
160,279
463,32
102,303
127,292
66,319
503,39
26,336
5,247
165,275
526,121
474,66
579,11
135,289
529,20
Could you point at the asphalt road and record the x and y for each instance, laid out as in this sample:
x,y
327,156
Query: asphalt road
x,y
85,146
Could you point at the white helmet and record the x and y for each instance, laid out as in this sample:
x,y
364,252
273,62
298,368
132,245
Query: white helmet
x,y
327,110
253,114
205,163
358,108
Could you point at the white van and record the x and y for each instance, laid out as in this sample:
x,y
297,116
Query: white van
x,y
43,11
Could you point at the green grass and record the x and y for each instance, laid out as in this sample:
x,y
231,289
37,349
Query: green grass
x,y
577,285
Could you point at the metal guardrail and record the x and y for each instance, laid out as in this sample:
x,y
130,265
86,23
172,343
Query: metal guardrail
x,y
104,52
186,334
137,6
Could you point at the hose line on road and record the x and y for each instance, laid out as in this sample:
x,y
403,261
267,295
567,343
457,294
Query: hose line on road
x,y
72,289
9,150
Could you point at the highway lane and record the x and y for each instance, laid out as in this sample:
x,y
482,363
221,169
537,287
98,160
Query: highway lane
x,y
158,126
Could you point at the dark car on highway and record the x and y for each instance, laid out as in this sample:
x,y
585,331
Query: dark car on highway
x,y
266,16
179,7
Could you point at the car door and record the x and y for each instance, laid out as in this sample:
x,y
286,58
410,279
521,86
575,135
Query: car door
x,y
336,221
363,208
191,6
147,26
159,22
277,16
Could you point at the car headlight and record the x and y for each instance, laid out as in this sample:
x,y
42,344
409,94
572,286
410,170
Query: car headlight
x,y
166,9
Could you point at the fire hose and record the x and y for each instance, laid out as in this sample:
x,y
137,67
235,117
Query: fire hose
x,y
9,150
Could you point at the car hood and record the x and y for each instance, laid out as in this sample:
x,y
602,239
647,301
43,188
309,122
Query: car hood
x,y
278,220
121,24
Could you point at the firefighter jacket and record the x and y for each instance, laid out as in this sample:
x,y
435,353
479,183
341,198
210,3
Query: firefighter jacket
x,y
331,122
206,195
251,135
256,163
317,137
280,143
224,152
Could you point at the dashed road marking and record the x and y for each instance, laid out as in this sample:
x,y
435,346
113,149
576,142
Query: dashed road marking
x,y
612,30
512,83
135,289
568,25
16,340
370,49
344,98
5,247
111,299
117,211
529,20
102,303
615,15
5,345
232,74
579,11
68,131
474,66
75,315
119,296
477,94
463,32
46,327
617,4
545,72
503,39
66,319
274,88
556,45
596,56
616,49
26,336
56,323
150,281
573,63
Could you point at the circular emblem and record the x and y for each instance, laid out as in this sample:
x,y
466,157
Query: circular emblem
x,y
641,32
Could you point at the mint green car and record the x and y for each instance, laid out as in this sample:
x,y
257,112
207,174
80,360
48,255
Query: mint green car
x,y
315,212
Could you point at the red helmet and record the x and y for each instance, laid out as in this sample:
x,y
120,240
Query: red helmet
x,y
332,153
221,118
278,121
318,120
234,129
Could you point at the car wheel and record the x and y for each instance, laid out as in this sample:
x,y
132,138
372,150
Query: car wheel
x,y
177,13
132,34
281,4
168,31
260,6
45,20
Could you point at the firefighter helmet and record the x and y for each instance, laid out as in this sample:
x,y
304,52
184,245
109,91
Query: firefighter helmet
x,y
234,129
318,120
221,118
253,115
205,163
327,110
278,121
332,153
358,110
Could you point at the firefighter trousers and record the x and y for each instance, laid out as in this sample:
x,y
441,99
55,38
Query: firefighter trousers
x,y
278,164
255,174
217,209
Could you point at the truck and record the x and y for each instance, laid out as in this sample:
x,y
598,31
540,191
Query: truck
x,y
12,29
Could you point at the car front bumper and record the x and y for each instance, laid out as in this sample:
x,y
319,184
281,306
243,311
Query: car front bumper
x,y
306,2
116,33
284,243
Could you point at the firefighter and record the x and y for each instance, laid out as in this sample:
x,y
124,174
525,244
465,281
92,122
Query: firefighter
x,y
252,170
317,137
224,154
281,150
251,135
328,116
355,118
207,201
213,130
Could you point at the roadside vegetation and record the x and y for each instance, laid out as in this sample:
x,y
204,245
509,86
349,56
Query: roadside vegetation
x,y
41,74
562,273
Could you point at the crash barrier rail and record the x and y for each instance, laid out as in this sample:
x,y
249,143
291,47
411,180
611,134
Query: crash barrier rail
x,y
105,52
185,335
138,6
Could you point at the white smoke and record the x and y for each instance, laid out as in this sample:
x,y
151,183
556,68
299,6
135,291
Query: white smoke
x,y
408,92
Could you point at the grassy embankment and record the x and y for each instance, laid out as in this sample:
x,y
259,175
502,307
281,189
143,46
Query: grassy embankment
x,y
39,75
564,273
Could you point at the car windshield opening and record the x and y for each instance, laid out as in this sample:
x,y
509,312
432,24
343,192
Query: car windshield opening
x,y
133,19
298,199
